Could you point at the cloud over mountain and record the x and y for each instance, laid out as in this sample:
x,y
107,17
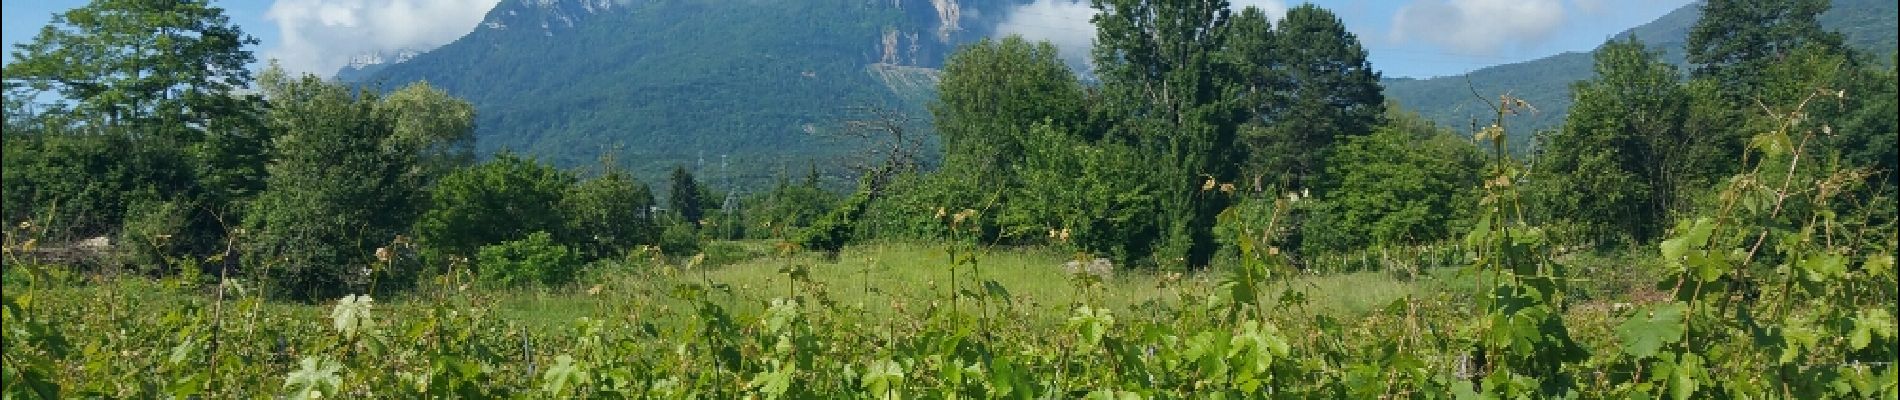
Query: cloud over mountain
x,y
320,36
1479,27
1066,23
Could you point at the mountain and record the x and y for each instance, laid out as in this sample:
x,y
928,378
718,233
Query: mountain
x,y
362,66
1868,25
683,81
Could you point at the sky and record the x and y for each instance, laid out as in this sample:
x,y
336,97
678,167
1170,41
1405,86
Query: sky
x,y
1405,38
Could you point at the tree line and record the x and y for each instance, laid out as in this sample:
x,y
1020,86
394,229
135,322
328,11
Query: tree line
x,y
159,136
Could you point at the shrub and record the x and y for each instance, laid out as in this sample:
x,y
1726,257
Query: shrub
x,y
728,253
679,238
534,259
503,199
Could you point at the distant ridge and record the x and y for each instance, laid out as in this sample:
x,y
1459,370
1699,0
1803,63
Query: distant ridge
x,y
1869,25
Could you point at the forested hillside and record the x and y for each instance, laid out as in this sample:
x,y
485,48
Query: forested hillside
x,y
1868,25
678,82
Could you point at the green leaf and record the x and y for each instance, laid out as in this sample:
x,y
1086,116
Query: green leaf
x,y
314,378
352,314
774,383
1695,235
1869,322
1644,334
1822,268
562,375
1682,382
883,377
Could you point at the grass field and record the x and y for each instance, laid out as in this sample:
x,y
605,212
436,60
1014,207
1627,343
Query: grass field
x,y
877,278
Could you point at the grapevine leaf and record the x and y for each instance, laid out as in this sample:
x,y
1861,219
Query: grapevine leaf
x,y
352,314
1869,323
1648,331
563,374
1693,235
1682,381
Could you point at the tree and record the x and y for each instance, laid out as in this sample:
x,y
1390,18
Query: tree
x,y
1164,75
994,93
991,93
1325,91
1406,183
789,207
686,197
334,193
1090,195
609,213
503,199
152,85
1737,38
1624,143
166,65
439,126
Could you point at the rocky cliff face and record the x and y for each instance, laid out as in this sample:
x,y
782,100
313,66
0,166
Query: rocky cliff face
x,y
546,16
673,79
928,30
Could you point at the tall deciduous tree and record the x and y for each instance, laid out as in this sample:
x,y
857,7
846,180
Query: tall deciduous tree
x,y
334,192
1164,74
1735,39
609,213
991,92
992,96
1407,182
440,127
1624,142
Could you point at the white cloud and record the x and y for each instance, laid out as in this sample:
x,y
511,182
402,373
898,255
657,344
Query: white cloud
x,y
1478,27
320,36
1066,23
1593,7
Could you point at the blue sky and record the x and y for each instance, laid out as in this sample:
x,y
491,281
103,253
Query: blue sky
x,y
1406,38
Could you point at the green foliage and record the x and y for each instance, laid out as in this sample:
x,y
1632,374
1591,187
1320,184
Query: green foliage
x,y
1096,197
150,236
1169,91
337,189
532,259
787,208
1735,39
720,253
79,185
1316,88
679,238
100,56
831,232
440,127
1628,143
913,204
1406,183
991,95
1521,342
686,198
609,214
502,199
1773,245
119,124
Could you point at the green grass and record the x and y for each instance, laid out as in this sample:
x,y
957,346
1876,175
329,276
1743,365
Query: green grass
x,y
876,278
873,279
